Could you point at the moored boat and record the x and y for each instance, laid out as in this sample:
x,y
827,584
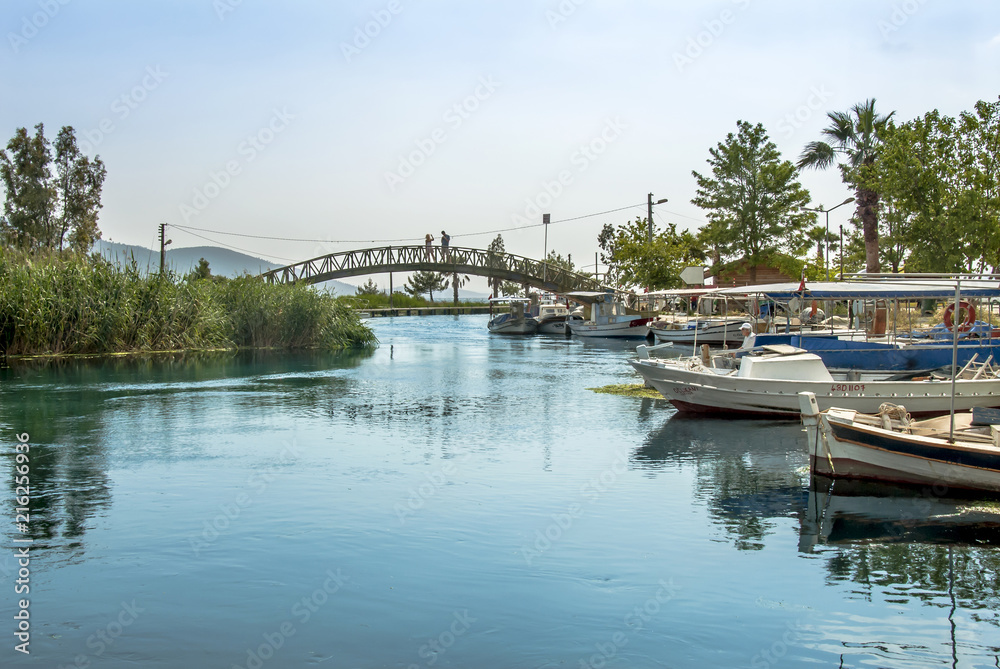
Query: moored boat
x,y
703,331
515,321
768,384
945,452
608,318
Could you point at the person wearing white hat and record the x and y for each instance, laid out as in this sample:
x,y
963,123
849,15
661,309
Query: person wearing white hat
x,y
749,338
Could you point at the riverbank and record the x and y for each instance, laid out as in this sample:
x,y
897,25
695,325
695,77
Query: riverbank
x,y
56,304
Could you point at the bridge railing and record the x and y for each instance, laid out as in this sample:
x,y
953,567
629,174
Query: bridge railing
x,y
462,260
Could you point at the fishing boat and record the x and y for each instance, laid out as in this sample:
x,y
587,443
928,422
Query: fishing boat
x,y
608,318
768,381
949,452
709,331
888,346
514,321
552,318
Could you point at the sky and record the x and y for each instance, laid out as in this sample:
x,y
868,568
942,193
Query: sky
x,y
359,124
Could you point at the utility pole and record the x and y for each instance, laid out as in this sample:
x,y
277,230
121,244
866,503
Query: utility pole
x,y
545,252
649,214
163,245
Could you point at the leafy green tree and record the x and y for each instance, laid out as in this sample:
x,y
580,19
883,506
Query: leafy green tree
x,y
633,260
368,288
201,271
424,282
753,200
455,281
857,136
29,207
79,182
46,211
494,258
940,179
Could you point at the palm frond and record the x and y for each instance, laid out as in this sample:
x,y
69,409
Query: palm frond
x,y
818,155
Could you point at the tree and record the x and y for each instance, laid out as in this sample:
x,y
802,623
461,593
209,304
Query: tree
x,y
857,136
30,198
456,282
633,261
753,200
46,211
940,179
368,288
494,259
424,282
200,272
79,183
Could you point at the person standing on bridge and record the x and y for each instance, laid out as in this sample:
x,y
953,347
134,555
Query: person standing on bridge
x,y
445,240
428,240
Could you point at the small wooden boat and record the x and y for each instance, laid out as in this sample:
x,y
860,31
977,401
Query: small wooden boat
x,y
515,321
608,318
948,452
551,318
713,331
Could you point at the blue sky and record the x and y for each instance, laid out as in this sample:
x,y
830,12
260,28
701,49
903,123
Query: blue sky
x,y
361,122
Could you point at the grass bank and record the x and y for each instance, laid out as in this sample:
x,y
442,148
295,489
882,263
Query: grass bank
x,y
72,304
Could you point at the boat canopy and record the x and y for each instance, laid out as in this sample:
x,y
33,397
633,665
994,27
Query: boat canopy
x,y
923,289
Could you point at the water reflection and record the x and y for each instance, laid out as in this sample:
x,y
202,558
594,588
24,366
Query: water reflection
x,y
748,473
83,412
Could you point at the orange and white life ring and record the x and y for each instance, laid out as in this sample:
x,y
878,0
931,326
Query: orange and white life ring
x,y
966,324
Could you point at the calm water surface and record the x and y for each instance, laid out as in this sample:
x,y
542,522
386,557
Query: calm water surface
x,y
456,499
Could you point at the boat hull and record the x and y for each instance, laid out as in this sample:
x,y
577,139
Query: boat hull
x,y
633,329
701,391
714,334
526,326
840,449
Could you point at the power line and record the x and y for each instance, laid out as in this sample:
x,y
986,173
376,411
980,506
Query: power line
x,y
236,248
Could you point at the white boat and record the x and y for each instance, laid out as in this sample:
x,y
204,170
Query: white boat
x,y
515,321
552,318
768,384
886,445
608,318
711,331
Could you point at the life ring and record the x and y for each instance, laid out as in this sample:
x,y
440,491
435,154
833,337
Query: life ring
x,y
970,316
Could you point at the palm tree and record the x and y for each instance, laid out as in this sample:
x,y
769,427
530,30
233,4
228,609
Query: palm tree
x,y
456,282
857,136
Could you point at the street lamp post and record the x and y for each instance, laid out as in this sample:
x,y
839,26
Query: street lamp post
x,y
826,238
649,219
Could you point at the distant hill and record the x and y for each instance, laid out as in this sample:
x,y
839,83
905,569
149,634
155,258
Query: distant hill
x,y
223,262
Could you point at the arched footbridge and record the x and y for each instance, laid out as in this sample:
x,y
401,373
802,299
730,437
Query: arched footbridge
x,y
504,266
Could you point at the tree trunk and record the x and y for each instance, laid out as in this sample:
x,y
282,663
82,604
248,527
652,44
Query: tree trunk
x,y
868,212
454,285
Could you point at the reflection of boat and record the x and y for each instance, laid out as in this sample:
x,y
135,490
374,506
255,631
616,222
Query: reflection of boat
x,y
947,451
769,384
608,318
516,321
864,512
711,331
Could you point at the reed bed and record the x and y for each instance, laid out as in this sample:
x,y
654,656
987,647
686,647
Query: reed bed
x,y
71,304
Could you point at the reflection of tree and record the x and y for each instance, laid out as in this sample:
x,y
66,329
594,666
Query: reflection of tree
x,y
83,413
924,572
748,472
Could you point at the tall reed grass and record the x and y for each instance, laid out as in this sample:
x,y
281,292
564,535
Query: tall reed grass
x,y
61,304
